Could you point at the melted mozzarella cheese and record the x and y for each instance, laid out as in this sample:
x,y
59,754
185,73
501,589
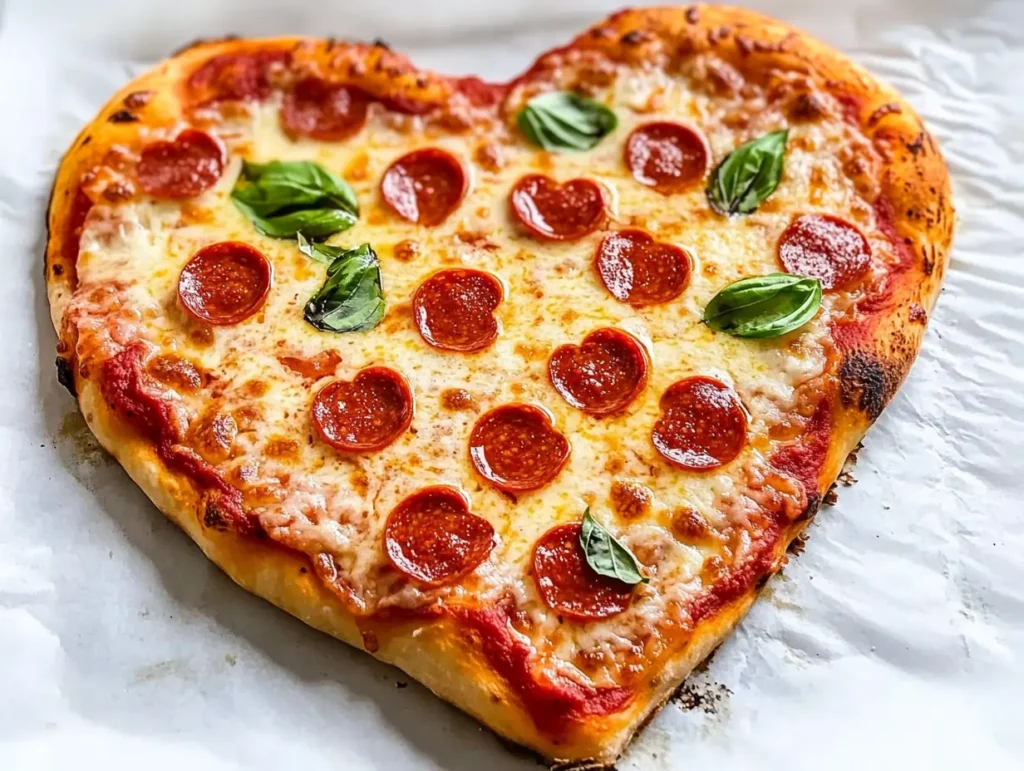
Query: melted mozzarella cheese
x,y
321,501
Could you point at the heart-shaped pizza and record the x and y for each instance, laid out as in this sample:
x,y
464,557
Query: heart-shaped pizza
x,y
523,387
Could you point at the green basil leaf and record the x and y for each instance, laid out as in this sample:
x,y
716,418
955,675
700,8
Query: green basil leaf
x,y
563,120
281,198
302,176
606,555
319,252
764,306
314,223
352,297
748,175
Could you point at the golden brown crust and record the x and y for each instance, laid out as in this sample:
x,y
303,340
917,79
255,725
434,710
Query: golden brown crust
x,y
913,199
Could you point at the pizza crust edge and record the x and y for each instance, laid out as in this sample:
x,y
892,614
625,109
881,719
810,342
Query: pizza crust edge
x,y
870,371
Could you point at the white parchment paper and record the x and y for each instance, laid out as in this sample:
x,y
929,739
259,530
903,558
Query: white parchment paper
x,y
896,641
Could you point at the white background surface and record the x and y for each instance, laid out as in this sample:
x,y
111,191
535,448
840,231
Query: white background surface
x,y
894,642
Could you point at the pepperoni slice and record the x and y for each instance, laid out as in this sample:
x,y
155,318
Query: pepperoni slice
x,y
325,111
365,414
432,537
667,156
557,212
454,309
826,248
188,166
568,585
601,376
234,77
516,449
224,283
424,186
702,425
640,271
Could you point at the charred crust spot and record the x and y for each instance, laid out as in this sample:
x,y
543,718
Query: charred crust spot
x,y
762,581
58,270
886,109
66,375
867,384
917,146
123,116
381,43
692,15
813,504
137,99
635,37
718,34
918,314
214,516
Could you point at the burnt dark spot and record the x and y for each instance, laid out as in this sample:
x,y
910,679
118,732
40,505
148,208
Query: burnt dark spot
x,y
381,43
634,37
58,270
214,517
692,15
917,145
86,141
813,504
831,497
123,116
66,375
866,383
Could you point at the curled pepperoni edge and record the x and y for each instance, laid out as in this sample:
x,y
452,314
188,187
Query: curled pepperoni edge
x,y
636,349
403,563
420,312
840,276
369,372
524,212
483,467
736,411
188,291
617,595
630,150
291,107
639,239
148,158
391,184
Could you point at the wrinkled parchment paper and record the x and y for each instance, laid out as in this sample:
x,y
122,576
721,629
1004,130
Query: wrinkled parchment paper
x,y
895,641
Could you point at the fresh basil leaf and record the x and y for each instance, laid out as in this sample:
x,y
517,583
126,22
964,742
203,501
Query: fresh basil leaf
x,y
606,555
319,252
748,175
764,306
281,198
563,120
352,297
302,176
314,223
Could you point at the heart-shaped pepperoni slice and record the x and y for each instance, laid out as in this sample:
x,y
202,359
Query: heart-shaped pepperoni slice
x,y
666,156
516,449
186,167
365,414
424,186
568,585
557,212
603,374
234,77
432,537
826,248
224,283
702,426
454,309
640,271
325,111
